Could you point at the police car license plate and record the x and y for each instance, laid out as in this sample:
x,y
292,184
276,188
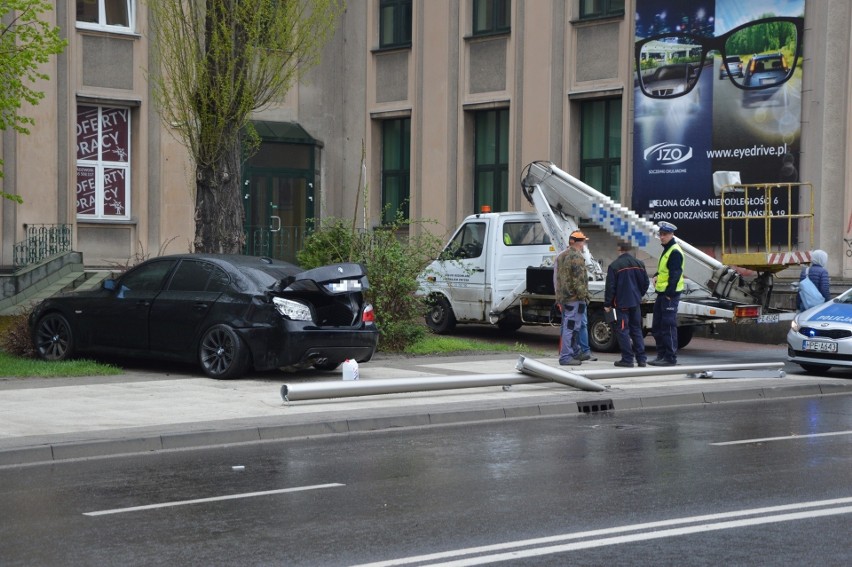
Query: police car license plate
x,y
819,346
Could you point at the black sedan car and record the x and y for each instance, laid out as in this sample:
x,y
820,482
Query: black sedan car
x,y
227,313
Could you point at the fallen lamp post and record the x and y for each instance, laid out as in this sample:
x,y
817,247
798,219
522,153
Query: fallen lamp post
x,y
529,372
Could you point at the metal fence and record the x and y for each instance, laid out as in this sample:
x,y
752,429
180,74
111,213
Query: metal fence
x,y
42,241
282,243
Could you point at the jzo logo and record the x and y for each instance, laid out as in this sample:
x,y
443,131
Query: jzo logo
x,y
668,154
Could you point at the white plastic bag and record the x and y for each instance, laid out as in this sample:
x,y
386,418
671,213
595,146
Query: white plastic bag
x,y
808,292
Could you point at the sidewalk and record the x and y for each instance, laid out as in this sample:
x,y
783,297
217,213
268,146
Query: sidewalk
x,y
153,409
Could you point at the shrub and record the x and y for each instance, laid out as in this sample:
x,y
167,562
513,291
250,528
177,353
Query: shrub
x,y
15,334
392,258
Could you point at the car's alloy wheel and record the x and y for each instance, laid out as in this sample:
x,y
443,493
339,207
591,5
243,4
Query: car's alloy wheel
x,y
222,353
53,337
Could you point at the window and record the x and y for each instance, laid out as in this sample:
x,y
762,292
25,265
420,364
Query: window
x,y
146,278
192,275
394,23
491,167
103,162
396,165
467,243
491,16
107,14
524,234
601,8
600,145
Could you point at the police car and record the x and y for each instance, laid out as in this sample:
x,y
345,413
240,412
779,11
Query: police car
x,y
821,337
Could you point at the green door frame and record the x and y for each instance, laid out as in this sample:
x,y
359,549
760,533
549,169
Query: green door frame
x,y
279,182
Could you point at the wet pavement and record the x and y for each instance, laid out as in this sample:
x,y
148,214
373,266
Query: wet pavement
x,y
156,408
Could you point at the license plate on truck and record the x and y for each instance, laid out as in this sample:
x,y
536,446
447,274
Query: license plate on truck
x,y
819,346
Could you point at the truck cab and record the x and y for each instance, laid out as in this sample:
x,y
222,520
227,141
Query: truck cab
x,y
484,261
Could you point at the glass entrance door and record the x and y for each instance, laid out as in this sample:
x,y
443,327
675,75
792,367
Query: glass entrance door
x,y
278,206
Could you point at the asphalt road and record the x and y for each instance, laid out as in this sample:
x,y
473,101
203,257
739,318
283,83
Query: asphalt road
x,y
752,484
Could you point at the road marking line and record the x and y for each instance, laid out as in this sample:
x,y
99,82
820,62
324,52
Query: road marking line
x,y
785,438
644,537
211,499
621,529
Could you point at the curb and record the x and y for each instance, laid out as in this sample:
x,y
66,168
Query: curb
x,y
236,434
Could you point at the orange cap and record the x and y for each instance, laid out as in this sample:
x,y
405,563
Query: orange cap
x,y
577,235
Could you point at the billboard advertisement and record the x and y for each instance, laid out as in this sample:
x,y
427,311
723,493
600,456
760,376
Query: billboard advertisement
x,y
717,87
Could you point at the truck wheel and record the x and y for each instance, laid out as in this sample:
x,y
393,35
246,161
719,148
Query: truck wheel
x,y
440,317
601,336
684,336
509,324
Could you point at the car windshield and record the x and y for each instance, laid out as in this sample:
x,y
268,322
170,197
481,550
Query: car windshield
x,y
764,64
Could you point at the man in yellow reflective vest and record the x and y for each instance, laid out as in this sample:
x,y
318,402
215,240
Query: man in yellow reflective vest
x,y
668,284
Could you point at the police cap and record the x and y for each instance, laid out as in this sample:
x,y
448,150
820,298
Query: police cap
x,y
667,227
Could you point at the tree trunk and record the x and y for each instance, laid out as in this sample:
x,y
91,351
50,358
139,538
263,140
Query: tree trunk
x,y
219,213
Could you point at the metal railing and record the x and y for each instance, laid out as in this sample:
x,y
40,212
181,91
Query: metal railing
x,y
282,243
755,208
42,241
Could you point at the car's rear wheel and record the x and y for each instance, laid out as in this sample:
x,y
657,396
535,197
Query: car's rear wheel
x,y
54,339
813,368
222,354
440,317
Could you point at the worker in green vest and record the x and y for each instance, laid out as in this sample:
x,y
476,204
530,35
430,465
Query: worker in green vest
x,y
668,283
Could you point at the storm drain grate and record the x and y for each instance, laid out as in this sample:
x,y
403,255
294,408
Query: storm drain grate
x,y
596,406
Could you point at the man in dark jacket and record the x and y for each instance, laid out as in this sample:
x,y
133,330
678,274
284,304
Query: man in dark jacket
x,y
626,283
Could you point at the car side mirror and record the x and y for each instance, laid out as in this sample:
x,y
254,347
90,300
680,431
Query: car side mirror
x,y
109,284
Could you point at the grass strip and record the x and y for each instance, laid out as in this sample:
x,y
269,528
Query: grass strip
x,y
16,367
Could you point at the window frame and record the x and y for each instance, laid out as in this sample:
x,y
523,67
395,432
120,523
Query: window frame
x,y
499,169
609,160
401,24
498,9
400,174
101,24
605,9
100,167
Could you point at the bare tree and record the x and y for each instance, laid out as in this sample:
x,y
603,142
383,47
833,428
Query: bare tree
x,y
218,61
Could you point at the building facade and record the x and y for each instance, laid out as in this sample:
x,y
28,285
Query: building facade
x,y
432,108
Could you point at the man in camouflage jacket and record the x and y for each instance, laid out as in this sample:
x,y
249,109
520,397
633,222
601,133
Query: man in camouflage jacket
x,y
571,282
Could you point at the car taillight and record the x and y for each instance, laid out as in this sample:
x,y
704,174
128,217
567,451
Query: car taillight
x,y
368,316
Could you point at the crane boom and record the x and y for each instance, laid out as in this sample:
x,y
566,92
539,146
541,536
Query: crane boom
x,y
560,199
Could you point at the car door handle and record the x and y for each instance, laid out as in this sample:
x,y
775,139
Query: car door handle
x,y
479,269
143,303
201,306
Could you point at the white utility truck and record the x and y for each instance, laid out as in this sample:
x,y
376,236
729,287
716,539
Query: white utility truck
x,y
498,267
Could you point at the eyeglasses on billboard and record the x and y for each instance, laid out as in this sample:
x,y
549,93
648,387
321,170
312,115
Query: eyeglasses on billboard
x,y
668,65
